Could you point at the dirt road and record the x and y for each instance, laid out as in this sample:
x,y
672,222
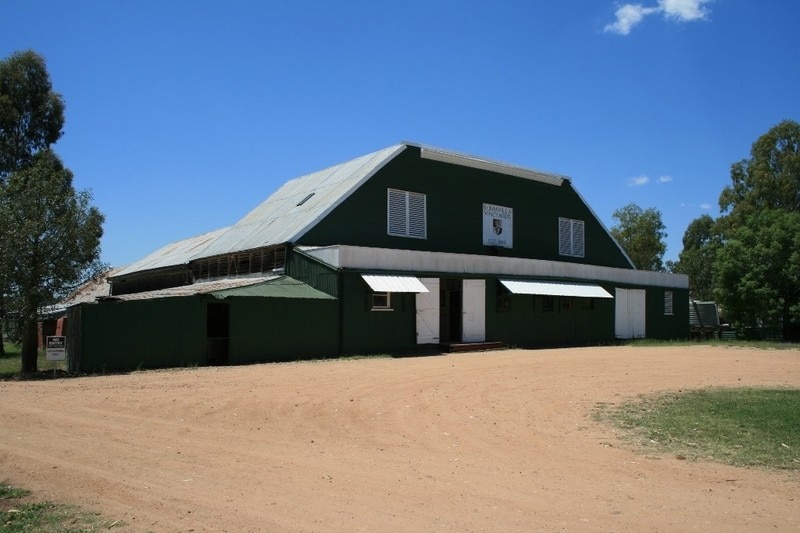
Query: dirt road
x,y
494,441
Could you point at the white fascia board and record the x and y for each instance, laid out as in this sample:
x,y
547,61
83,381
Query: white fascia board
x,y
492,166
597,218
392,260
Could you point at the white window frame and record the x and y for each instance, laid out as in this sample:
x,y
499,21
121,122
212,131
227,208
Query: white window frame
x,y
381,306
406,214
668,307
571,237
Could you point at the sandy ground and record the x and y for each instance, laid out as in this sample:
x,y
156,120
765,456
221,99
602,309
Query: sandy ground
x,y
493,441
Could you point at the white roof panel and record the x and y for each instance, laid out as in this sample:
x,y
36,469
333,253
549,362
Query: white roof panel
x,y
298,205
551,288
394,283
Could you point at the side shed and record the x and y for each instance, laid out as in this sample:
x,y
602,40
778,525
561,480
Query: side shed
x,y
233,321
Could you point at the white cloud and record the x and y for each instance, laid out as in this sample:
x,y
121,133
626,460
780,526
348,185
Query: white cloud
x,y
630,15
705,205
664,179
684,10
638,181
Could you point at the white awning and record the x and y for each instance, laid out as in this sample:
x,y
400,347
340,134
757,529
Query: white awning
x,y
394,283
554,288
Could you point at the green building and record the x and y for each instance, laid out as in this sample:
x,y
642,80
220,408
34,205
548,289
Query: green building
x,y
403,249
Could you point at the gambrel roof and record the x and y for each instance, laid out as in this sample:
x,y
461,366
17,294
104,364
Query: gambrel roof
x,y
300,204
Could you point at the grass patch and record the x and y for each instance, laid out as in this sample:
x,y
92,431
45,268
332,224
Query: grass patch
x,y
8,492
741,427
18,514
11,362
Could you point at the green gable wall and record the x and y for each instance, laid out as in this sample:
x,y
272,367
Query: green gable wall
x,y
455,196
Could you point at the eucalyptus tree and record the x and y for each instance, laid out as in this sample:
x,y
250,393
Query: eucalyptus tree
x,y
31,119
641,233
758,266
701,242
49,232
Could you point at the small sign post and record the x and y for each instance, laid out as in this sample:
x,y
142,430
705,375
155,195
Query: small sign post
x,y
56,350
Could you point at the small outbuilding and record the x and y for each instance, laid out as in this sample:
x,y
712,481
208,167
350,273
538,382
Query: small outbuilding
x,y
400,250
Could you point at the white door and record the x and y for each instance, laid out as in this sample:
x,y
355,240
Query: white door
x,y
474,310
636,304
629,316
428,312
621,322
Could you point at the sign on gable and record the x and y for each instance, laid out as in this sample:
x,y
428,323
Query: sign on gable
x,y
498,226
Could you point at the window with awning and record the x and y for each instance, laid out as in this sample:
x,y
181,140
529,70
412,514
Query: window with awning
x,y
555,288
381,283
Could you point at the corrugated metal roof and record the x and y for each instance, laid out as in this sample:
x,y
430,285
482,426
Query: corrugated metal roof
x,y
552,288
91,290
703,314
204,287
282,287
173,254
262,286
88,292
285,217
382,283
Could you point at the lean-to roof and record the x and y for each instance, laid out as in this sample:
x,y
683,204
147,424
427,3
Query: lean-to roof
x,y
173,254
262,286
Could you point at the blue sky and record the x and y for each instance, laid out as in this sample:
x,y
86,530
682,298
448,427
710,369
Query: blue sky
x,y
184,115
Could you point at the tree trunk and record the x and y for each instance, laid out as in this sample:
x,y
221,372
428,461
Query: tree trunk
x,y
2,323
791,329
30,344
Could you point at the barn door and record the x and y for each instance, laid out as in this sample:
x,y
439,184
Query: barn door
x,y
629,315
636,305
474,310
428,312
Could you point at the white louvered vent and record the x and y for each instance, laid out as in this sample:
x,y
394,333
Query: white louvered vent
x,y
406,214
570,237
396,217
667,302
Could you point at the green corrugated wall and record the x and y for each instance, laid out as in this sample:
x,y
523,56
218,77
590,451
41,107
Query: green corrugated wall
x,y
662,326
572,321
282,329
366,331
123,336
313,272
171,332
